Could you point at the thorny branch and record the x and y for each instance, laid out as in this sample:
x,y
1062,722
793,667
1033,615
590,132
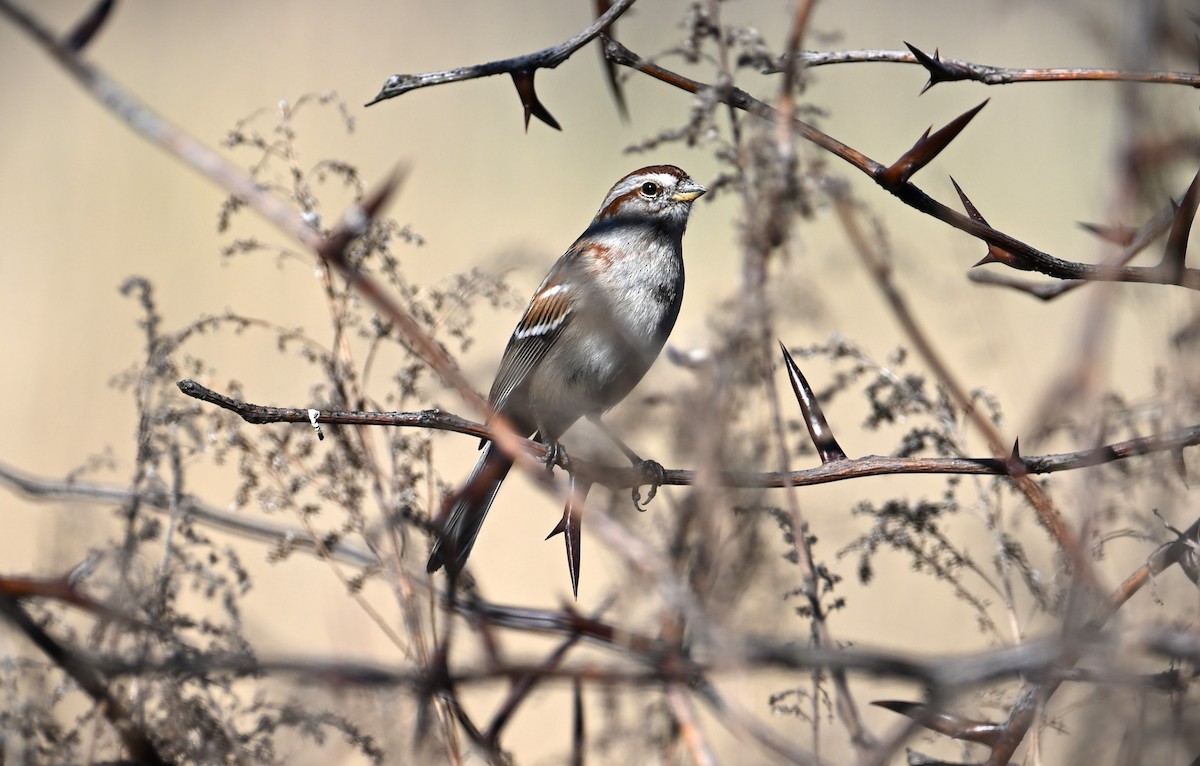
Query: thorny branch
x,y
548,58
947,69
880,271
522,68
839,470
907,192
1046,661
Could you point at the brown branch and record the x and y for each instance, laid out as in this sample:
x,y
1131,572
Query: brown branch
x,y
578,725
880,270
906,191
897,184
521,689
1003,739
623,478
1132,243
547,58
1048,658
689,727
1050,663
944,69
1022,716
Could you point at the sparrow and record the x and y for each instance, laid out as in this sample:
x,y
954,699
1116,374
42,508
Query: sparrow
x,y
589,334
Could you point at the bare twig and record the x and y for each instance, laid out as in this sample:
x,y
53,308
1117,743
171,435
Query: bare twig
x,y
81,670
280,535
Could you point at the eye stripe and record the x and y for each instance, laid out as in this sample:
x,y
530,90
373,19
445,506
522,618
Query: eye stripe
x,y
629,187
613,205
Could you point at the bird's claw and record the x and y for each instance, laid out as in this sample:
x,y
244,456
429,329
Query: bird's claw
x,y
653,475
554,455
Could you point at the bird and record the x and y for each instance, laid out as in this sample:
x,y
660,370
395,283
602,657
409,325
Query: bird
x,y
592,329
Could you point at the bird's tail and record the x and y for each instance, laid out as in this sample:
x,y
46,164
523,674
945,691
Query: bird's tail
x,y
464,511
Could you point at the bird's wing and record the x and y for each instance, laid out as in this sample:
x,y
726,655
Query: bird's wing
x,y
550,310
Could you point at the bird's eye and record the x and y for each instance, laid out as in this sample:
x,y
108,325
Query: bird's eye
x,y
650,189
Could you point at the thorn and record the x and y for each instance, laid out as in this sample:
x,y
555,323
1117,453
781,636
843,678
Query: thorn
x,y
610,67
818,427
356,220
994,254
955,726
926,149
1014,464
571,526
1175,252
939,71
523,79
578,729
87,28
972,212
1179,465
1118,235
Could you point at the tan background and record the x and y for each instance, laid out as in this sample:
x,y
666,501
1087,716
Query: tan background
x,y
84,203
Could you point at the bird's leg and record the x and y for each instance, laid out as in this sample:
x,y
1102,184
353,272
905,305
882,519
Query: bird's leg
x,y
555,453
652,471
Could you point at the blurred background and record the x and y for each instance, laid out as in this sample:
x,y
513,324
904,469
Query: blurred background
x,y
84,204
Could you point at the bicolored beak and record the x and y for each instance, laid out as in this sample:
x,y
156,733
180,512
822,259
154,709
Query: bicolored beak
x,y
688,191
